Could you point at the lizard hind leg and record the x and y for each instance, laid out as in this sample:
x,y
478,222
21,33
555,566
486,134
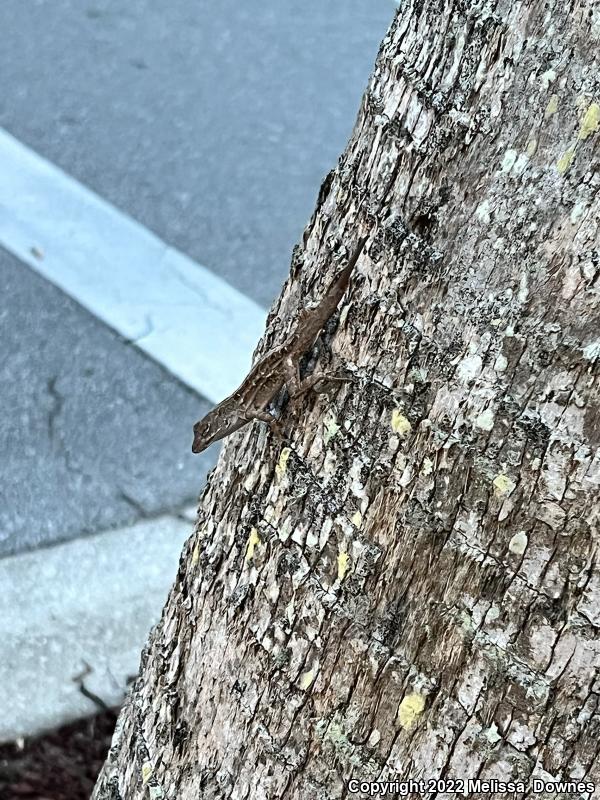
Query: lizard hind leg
x,y
292,376
321,379
317,382
297,387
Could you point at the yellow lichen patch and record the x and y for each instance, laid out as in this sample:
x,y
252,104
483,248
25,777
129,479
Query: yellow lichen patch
x,y
195,554
552,106
400,424
590,121
410,709
356,519
306,679
253,542
565,161
281,466
427,467
531,147
503,485
146,771
343,562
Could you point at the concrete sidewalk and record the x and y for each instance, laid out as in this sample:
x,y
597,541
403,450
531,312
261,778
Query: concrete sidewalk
x,y
84,607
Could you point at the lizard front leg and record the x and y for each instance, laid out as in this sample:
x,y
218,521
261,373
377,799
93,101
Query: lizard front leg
x,y
264,416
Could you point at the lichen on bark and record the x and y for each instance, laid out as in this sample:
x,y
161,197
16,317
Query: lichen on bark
x,y
408,587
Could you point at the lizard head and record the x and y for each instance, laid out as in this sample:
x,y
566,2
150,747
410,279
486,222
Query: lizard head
x,y
204,433
219,422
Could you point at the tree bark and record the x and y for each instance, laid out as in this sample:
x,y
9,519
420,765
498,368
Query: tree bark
x,y
409,588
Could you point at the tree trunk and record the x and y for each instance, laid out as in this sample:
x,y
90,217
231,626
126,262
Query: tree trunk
x,y
409,589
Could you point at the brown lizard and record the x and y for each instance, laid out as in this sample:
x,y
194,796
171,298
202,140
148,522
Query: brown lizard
x,y
278,367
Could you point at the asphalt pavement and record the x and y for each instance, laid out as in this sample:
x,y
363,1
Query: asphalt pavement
x,y
212,124
93,433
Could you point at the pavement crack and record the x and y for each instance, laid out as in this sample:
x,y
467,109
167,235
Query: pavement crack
x,y
131,501
198,291
56,408
54,435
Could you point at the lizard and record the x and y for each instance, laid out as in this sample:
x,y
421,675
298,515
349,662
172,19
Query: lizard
x,y
279,367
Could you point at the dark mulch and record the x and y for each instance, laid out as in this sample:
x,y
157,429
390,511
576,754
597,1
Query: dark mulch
x,y
62,765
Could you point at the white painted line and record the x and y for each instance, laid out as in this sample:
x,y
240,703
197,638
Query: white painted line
x,y
192,322
90,601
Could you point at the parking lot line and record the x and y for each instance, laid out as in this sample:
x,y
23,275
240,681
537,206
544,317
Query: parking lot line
x,y
200,328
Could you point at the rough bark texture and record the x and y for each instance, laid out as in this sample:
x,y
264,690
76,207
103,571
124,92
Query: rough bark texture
x,y
411,588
